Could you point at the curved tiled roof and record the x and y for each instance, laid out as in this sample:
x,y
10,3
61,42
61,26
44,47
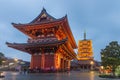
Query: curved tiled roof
x,y
40,44
43,17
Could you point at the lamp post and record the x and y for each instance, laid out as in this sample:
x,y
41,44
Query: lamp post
x,y
3,63
101,69
15,59
91,63
1,73
15,62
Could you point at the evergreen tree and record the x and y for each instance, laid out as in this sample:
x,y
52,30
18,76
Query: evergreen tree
x,y
1,57
110,56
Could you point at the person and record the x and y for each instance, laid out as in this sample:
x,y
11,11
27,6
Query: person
x,y
19,68
24,70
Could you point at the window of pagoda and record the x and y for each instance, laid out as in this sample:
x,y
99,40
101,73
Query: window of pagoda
x,y
39,33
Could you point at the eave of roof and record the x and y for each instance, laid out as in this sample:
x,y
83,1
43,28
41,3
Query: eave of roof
x,y
41,44
41,23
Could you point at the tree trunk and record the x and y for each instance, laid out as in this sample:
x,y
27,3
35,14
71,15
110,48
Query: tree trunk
x,y
113,71
0,73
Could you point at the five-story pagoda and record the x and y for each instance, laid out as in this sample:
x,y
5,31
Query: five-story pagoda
x,y
50,42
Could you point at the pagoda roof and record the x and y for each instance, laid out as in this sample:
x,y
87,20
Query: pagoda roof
x,y
48,22
39,23
43,17
86,40
84,61
23,46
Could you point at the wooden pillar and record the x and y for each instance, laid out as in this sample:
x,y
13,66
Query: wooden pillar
x,y
83,67
62,63
69,64
31,63
66,64
56,61
87,66
42,61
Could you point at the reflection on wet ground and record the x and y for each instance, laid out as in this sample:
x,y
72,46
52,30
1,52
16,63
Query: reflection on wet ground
x,y
73,75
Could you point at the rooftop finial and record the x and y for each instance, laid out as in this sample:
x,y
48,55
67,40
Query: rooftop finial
x,y
84,34
43,9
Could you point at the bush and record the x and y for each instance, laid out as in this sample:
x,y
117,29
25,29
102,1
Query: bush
x,y
108,76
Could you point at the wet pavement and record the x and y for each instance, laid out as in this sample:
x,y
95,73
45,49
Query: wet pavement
x,y
73,75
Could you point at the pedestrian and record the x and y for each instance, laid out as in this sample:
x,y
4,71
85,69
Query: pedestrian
x,y
24,70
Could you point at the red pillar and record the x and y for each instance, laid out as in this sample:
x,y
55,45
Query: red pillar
x,y
42,61
35,61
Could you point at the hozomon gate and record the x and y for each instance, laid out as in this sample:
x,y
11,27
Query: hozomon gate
x,y
51,43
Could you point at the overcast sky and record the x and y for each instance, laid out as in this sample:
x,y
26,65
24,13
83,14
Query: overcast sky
x,y
100,19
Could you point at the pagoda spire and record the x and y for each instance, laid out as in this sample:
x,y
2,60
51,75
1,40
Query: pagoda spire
x,y
84,34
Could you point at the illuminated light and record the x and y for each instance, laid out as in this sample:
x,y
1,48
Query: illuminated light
x,y
15,59
101,67
1,74
91,62
22,62
11,64
102,55
3,61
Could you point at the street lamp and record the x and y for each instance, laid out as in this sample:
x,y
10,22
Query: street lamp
x,y
15,63
15,59
101,67
3,63
1,73
91,63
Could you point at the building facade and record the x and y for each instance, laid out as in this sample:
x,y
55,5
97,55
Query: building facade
x,y
51,43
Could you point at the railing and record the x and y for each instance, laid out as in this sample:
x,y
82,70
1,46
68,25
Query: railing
x,y
41,40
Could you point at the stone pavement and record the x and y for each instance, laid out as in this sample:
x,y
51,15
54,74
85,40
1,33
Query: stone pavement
x,y
73,75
